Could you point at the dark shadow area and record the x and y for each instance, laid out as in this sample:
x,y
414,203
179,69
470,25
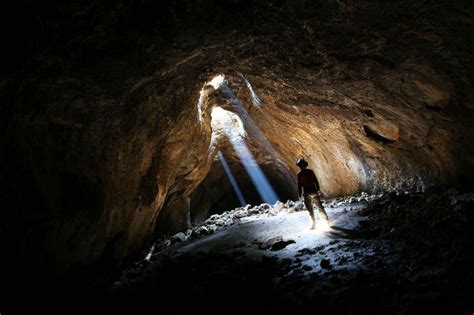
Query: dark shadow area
x,y
339,232
411,271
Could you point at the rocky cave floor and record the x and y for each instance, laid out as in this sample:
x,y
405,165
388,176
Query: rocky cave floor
x,y
382,254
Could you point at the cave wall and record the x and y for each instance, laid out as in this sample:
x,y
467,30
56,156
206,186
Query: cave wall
x,y
99,128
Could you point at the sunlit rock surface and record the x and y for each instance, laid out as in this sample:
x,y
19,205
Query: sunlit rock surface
x,y
106,127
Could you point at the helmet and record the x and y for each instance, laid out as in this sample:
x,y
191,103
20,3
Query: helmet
x,y
301,162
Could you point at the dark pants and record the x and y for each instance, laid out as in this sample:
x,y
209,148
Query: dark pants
x,y
313,199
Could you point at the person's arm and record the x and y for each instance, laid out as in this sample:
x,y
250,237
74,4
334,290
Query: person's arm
x,y
316,183
300,187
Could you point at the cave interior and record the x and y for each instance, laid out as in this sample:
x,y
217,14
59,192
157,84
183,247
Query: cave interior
x,y
150,147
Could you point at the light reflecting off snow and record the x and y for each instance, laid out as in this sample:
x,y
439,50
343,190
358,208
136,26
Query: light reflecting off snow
x,y
255,99
232,180
229,123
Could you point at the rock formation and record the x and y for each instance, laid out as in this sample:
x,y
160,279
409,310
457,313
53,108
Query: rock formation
x,y
107,122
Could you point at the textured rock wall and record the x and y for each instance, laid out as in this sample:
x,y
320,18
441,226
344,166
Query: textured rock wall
x,y
100,128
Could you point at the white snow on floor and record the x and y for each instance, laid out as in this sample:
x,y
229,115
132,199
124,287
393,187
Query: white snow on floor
x,y
252,232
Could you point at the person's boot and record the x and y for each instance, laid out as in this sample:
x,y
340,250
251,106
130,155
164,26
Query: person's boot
x,y
325,215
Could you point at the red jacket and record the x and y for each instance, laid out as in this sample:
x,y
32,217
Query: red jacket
x,y
307,182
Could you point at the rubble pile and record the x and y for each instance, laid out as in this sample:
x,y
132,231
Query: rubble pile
x,y
226,219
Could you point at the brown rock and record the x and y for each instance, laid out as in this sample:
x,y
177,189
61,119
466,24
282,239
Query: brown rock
x,y
383,132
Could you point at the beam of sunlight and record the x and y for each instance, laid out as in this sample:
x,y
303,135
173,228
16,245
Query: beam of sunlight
x,y
218,82
253,127
219,119
257,176
255,99
237,105
230,124
232,180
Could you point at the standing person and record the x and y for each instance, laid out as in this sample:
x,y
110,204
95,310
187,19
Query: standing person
x,y
308,187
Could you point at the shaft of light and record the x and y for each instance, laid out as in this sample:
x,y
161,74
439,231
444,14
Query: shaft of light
x,y
237,105
235,133
230,124
255,99
232,180
256,174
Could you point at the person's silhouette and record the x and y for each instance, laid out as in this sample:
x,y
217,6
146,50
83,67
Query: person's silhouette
x,y
308,188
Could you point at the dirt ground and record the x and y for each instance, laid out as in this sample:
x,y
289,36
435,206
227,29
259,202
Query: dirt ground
x,y
380,255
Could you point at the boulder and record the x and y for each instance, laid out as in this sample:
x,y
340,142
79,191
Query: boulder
x,y
178,238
